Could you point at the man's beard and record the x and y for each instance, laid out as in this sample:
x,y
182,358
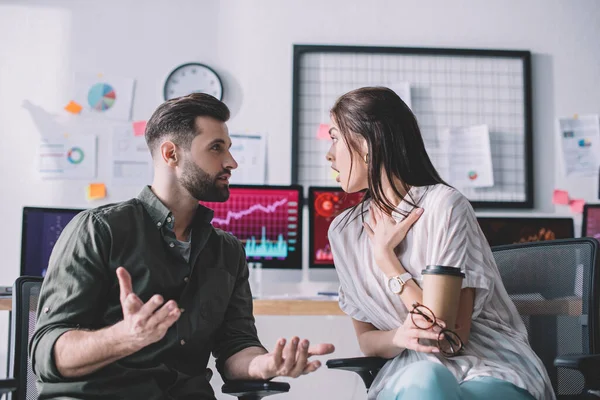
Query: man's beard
x,y
201,185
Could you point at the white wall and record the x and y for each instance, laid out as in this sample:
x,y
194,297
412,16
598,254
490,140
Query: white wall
x,y
249,42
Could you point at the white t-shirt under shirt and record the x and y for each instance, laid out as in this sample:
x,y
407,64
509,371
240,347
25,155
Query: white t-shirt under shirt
x,y
447,233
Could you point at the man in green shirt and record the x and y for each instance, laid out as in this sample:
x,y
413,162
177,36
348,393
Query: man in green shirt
x,y
139,293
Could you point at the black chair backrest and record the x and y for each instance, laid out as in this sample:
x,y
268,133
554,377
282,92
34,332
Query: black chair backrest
x,y
24,307
554,285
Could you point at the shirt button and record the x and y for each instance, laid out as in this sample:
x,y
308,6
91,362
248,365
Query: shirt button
x,y
46,310
182,342
171,245
159,224
186,279
169,219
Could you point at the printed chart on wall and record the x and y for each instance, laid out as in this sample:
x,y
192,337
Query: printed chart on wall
x,y
580,144
131,160
249,152
265,220
105,96
67,157
471,105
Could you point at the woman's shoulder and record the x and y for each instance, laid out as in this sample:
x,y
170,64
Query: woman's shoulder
x,y
444,197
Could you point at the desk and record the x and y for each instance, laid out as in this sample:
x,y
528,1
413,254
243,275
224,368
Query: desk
x,y
564,306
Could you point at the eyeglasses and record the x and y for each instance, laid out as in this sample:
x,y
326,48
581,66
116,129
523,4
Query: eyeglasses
x,y
448,341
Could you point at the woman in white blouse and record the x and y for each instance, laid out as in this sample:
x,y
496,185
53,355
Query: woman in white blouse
x,y
411,218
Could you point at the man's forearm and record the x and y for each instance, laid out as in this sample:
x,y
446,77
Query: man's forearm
x,y
239,365
80,352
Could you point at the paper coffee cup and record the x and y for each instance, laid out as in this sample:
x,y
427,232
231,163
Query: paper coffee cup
x,y
441,292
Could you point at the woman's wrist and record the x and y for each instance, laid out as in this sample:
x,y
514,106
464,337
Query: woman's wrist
x,y
389,264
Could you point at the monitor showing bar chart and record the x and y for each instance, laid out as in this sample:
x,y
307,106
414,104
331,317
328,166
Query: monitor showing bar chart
x,y
267,220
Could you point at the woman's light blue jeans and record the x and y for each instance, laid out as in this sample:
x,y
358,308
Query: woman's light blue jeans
x,y
425,380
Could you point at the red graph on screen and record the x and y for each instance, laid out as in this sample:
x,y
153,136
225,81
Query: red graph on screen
x,y
327,205
265,220
233,215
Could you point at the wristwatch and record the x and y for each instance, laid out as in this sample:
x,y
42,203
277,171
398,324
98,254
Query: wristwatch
x,y
396,283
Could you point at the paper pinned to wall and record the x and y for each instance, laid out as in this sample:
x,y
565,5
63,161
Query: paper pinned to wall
x,y
250,152
469,156
131,160
67,157
580,143
105,96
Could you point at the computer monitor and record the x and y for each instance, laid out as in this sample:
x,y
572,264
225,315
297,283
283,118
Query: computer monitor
x,y
268,222
508,230
324,204
40,231
591,221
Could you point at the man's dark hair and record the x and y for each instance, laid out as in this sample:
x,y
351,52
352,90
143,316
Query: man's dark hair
x,y
175,119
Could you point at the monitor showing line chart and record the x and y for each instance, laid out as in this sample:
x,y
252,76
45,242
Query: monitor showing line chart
x,y
325,203
268,222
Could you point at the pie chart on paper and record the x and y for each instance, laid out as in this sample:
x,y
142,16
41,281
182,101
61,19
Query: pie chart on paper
x,y
101,96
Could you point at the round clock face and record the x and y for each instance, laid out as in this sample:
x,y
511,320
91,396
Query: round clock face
x,y
193,78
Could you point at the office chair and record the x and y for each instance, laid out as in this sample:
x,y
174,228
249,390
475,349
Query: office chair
x,y
555,286
23,384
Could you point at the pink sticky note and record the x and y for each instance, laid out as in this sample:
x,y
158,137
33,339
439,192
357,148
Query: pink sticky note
x,y
323,132
139,127
560,197
577,205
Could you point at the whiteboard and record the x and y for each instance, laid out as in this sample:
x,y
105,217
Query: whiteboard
x,y
448,87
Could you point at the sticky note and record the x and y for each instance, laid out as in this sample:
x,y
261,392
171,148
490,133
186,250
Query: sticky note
x,y
560,197
96,191
73,107
577,205
139,128
323,132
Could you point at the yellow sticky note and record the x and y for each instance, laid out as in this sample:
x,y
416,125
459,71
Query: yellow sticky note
x,y
96,191
73,107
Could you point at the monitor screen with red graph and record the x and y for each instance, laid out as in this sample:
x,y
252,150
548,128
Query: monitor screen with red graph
x,y
591,221
268,222
325,203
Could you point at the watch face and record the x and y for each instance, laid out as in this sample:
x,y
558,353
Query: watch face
x,y
193,78
395,286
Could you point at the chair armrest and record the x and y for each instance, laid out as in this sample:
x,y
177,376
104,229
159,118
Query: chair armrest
x,y
366,367
587,364
357,364
254,390
8,385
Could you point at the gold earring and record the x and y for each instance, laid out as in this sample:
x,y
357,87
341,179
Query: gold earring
x,y
367,158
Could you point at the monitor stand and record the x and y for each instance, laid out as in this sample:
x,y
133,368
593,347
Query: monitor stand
x,y
273,281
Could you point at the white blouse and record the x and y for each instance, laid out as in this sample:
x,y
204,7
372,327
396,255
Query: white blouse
x,y
447,233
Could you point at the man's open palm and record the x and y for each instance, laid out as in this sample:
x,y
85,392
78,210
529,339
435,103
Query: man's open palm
x,y
292,359
143,324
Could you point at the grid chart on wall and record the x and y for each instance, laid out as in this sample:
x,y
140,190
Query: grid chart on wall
x,y
449,88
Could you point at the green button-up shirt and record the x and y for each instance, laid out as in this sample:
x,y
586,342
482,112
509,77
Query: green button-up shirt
x,y
81,291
